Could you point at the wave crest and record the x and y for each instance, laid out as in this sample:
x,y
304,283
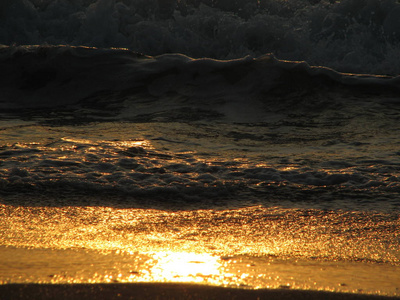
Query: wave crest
x,y
349,35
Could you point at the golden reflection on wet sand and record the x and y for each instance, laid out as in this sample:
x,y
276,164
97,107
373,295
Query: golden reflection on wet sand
x,y
252,247
182,267
21,265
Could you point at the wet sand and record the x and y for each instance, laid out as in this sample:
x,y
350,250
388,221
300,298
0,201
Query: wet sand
x,y
162,291
83,274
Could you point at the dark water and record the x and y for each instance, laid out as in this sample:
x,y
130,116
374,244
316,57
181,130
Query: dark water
x,y
173,128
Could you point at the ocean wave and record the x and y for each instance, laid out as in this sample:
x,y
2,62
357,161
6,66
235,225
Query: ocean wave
x,y
39,77
349,35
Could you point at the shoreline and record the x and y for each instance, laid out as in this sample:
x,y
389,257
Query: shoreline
x,y
90,274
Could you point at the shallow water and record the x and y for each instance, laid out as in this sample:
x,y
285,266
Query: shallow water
x,y
170,164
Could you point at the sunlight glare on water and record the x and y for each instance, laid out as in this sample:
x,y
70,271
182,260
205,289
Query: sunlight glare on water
x,y
250,247
183,267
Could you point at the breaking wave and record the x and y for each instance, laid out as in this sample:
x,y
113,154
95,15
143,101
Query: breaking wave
x,y
55,76
349,35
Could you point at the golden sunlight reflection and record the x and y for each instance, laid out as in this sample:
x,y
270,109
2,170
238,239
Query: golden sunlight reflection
x,y
134,143
124,143
183,267
251,247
